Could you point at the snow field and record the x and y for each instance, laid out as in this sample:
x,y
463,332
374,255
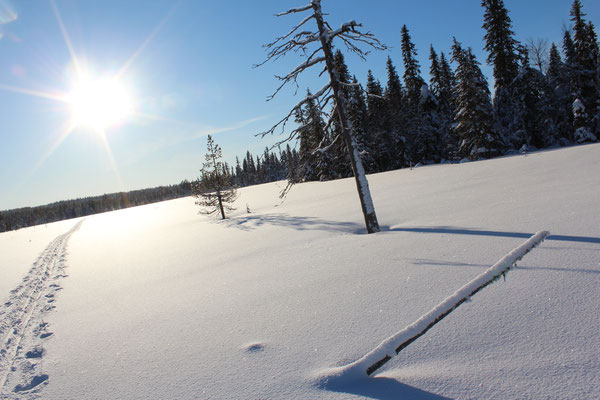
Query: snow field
x,y
163,303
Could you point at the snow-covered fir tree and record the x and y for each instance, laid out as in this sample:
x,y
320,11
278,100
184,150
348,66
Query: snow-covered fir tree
x,y
378,125
414,84
315,164
538,129
584,70
339,154
502,55
357,113
474,118
441,84
558,79
394,140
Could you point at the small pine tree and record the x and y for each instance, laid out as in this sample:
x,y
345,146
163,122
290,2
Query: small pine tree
x,y
214,190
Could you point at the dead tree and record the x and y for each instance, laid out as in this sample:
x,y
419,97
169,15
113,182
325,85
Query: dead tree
x,y
316,47
538,50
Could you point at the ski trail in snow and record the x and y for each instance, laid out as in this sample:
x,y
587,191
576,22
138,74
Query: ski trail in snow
x,y
22,328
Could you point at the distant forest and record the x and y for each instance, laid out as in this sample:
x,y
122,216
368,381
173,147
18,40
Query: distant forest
x,y
543,97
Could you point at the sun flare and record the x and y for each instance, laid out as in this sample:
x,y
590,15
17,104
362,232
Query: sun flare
x,y
99,103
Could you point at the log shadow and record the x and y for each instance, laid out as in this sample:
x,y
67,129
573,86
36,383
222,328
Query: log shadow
x,y
383,388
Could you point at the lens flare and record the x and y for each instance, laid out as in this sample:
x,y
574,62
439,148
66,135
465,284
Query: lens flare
x,y
99,103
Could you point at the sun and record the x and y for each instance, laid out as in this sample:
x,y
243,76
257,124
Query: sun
x,y
99,103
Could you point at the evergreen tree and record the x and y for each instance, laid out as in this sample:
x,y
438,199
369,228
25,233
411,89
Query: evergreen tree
x,y
500,43
474,121
412,71
414,84
538,125
357,113
377,125
584,72
214,191
395,130
502,54
315,165
340,160
560,97
441,84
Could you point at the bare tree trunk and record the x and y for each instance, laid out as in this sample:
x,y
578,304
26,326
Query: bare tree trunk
x,y
221,204
360,176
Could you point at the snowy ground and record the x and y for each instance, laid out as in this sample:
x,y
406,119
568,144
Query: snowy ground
x,y
158,302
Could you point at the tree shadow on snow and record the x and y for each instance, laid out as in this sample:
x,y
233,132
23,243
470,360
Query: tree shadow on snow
x,y
466,231
384,389
251,222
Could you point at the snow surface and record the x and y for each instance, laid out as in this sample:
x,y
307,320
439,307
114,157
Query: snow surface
x,y
161,302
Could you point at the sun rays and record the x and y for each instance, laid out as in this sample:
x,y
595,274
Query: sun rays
x,y
96,103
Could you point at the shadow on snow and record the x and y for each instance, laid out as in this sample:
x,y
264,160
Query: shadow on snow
x,y
384,389
251,222
466,231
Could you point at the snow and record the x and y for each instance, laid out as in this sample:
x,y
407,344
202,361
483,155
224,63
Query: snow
x,y
161,302
373,360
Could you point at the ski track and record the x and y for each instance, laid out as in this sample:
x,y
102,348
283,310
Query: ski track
x,y
22,327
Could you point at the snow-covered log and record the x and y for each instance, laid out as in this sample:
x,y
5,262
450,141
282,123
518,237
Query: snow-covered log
x,y
376,358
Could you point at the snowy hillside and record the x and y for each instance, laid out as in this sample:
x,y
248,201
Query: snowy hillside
x,y
158,302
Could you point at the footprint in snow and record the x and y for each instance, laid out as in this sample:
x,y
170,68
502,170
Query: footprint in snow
x,y
254,347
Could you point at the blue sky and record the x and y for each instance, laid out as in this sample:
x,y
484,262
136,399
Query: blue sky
x,y
188,68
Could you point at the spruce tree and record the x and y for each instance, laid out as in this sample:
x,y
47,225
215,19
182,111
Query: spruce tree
x,y
585,94
538,125
357,113
414,84
315,165
502,54
441,84
214,191
340,160
474,120
397,117
558,79
377,125
412,71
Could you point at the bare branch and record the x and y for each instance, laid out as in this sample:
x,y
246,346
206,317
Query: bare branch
x,y
346,26
282,123
332,117
322,149
293,76
294,10
278,51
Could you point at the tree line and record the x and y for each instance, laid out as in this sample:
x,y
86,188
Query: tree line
x,y
408,121
67,209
